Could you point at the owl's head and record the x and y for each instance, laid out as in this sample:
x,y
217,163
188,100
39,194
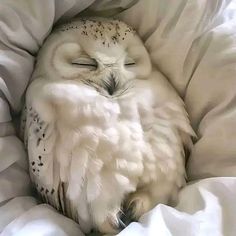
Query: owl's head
x,y
103,53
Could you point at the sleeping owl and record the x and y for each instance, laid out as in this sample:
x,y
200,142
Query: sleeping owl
x,y
104,130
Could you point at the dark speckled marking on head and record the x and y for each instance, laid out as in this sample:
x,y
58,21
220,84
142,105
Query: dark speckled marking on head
x,y
108,30
38,141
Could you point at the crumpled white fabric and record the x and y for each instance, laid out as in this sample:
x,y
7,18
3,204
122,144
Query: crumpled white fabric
x,y
42,220
193,44
205,208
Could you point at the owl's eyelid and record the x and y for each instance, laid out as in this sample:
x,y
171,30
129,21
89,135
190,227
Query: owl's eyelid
x,y
129,62
84,64
85,61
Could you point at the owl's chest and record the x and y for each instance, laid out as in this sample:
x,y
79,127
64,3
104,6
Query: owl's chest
x,y
103,136
102,149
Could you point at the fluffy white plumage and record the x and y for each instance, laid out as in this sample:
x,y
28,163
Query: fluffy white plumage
x,y
104,130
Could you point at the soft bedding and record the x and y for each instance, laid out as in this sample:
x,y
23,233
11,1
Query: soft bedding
x,y
193,43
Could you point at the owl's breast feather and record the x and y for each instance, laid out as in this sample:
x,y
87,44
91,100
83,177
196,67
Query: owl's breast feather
x,y
106,146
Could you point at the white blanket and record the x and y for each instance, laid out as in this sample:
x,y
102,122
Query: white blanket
x,y
193,43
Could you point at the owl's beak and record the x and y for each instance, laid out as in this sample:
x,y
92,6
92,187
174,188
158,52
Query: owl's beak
x,y
111,85
121,224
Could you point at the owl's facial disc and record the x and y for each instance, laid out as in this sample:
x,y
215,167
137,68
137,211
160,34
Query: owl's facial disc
x,y
109,84
103,53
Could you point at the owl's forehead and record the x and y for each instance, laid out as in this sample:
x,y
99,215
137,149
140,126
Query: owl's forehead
x,y
109,32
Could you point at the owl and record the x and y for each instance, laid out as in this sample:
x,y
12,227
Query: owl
x,y
104,130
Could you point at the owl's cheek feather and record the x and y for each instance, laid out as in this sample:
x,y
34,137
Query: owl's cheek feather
x,y
69,102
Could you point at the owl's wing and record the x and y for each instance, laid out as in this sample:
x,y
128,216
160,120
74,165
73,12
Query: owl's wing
x,y
166,127
39,139
39,136
50,133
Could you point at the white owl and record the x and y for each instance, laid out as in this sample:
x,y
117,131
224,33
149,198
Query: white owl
x,y
104,130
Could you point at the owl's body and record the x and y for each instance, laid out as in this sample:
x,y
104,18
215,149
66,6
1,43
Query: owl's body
x,y
104,130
